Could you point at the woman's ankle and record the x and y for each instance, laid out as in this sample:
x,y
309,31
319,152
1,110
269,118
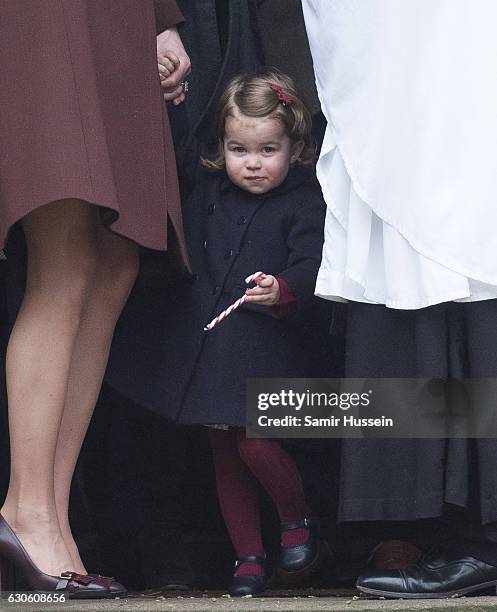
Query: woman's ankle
x,y
26,517
72,547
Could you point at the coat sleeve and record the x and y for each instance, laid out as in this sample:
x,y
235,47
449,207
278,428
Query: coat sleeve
x,y
167,14
305,244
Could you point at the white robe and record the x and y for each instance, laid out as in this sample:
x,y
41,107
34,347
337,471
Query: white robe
x,y
408,165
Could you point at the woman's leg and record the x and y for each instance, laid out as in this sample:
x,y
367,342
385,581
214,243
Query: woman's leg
x,y
238,499
278,474
61,242
115,275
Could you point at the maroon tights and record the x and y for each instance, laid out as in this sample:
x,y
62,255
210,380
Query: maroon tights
x,y
239,463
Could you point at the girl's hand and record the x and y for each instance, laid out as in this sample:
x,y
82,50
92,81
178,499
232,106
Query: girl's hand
x,y
167,64
174,65
266,293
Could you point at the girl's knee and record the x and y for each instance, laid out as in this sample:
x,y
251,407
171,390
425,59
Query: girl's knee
x,y
222,440
254,450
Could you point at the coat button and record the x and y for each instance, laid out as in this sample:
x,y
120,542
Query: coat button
x,y
210,208
242,220
205,245
228,254
215,290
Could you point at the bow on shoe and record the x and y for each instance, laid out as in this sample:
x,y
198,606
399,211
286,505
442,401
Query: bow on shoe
x,y
80,578
73,582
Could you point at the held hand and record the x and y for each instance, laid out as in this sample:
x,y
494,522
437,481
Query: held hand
x,y
174,65
266,293
167,64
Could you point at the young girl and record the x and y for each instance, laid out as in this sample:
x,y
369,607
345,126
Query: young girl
x,y
255,208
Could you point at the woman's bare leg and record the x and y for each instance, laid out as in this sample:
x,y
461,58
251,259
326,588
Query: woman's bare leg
x,y
61,240
116,272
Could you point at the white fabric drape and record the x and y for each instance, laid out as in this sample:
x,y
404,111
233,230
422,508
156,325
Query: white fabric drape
x,y
408,165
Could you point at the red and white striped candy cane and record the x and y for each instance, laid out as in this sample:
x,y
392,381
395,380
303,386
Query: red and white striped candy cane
x,y
235,305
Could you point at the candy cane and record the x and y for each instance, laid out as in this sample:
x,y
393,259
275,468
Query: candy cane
x,y
235,305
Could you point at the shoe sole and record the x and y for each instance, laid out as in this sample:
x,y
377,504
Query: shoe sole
x,y
257,594
448,594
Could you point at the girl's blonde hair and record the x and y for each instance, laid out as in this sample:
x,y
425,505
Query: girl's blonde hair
x,y
254,95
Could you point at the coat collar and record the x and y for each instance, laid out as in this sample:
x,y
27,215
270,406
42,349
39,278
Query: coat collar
x,y
295,178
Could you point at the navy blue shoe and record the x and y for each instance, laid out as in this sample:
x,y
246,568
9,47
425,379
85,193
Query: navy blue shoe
x,y
248,585
298,558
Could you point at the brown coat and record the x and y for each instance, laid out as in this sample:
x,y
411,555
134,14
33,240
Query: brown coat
x,y
82,115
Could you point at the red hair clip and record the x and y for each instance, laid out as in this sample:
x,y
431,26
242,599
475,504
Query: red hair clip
x,y
282,96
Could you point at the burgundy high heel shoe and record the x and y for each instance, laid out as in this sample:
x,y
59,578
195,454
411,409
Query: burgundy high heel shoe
x,y
76,586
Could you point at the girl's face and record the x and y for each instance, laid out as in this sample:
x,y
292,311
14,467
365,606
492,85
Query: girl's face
x,y
258,153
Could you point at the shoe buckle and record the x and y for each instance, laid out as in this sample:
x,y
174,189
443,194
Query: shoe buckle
x,y
66,575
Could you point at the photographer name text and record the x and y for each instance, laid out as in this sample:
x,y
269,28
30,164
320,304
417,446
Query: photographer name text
x,y
332,421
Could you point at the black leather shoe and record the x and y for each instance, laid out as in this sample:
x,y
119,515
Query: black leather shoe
x,y
297,558
440,573
248,585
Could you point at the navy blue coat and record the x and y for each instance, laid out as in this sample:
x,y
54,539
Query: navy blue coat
x,y
193,376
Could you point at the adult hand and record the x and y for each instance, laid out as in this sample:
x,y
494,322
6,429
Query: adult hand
x,y
174,64
267,291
